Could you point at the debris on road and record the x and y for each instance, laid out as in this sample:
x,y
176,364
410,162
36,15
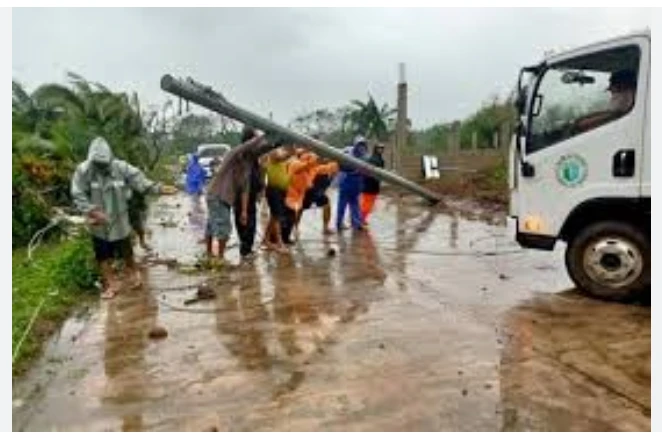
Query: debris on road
x,y
205,292
158,332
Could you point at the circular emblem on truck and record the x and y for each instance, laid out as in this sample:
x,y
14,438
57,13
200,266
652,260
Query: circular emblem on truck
x,y
571,170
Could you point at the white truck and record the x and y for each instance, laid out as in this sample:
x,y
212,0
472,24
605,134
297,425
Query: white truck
x,y
580,163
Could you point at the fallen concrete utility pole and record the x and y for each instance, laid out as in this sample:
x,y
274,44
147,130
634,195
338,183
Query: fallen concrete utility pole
x,y
206,97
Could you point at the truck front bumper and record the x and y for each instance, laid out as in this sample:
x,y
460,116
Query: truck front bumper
x,y
534,241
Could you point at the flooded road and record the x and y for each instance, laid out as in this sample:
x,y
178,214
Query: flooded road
x,y
429,322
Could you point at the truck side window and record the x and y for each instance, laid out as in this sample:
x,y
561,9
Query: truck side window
x,y
584,93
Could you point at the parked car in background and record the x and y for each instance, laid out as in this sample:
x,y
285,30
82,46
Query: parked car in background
x,y
211,154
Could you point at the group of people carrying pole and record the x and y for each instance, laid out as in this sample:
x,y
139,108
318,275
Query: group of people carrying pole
x,y
290,178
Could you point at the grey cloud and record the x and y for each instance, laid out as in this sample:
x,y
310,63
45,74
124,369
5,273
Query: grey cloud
x,y
287,61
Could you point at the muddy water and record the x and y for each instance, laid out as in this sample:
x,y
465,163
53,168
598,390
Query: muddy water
x,y
416,325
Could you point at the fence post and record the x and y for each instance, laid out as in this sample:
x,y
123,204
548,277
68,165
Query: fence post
x,y
454,137
401,120
506,135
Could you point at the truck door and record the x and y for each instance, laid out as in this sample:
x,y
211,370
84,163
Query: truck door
x,y
584,135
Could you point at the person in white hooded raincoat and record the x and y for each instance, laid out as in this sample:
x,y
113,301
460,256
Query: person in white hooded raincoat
x,y
100,188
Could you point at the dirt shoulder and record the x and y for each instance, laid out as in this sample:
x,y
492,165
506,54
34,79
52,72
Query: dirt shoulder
x,y
479,195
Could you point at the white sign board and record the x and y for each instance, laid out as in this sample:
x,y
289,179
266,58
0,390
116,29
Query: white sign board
x,y
430,167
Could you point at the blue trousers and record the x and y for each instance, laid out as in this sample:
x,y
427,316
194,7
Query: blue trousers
x,y
348,196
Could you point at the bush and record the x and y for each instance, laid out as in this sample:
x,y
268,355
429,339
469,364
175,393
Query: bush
x,y
37,185
75,265
29,214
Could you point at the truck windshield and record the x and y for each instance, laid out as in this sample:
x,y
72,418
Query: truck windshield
x,y
580,94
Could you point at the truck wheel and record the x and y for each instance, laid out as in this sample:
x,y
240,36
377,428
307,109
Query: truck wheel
x,y
610,260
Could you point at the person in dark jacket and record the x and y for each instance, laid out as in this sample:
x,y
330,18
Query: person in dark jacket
x,y
371,185
246,232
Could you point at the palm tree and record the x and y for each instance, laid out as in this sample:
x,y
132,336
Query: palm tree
x,y
369,119
30,114
88,109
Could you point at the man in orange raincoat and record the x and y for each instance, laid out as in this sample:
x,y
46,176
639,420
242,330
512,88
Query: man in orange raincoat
x,y
303,169
316,194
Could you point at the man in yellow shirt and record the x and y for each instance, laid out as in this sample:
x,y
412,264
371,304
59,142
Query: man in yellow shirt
x,y
278,182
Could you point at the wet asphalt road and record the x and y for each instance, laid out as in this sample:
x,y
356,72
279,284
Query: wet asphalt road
x,y
414,326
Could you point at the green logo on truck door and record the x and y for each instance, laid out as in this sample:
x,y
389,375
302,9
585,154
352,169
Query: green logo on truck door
x,y
571,170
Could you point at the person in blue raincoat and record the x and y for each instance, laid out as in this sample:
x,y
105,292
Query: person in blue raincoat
x,y
350,184
195,176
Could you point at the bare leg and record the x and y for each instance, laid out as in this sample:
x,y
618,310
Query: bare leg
x,y
132,268
221,248
110,284
296,225
269,234
326,219
279,244
143,242
209,242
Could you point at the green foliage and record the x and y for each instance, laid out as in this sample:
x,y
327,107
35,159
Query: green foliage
x,y
329,125
339,126
485,122
196,129
369,119
28,215
52,128
61,272
75,267
30,209
435,137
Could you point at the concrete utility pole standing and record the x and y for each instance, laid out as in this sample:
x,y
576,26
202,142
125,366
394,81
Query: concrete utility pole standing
x,y
401,123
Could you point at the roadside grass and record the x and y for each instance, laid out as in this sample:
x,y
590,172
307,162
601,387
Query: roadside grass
x,y
62,273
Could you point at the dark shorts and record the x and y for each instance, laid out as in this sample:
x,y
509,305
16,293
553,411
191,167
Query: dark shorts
x,y
105,250
276,201
315,197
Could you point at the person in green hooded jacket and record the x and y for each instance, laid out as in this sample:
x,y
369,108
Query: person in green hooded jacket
x,y
100,189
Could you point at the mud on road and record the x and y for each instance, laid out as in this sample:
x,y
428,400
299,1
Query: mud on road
x,y
415,326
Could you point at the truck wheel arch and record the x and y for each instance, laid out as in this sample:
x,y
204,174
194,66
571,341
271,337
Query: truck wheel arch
x,y
635,211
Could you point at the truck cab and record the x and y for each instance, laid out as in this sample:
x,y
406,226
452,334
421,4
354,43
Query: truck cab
x,y
580,163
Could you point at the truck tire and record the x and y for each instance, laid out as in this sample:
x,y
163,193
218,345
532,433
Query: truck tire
x,y
610,260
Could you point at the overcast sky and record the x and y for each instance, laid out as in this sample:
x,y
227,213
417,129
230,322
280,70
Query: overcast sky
x,y
289,61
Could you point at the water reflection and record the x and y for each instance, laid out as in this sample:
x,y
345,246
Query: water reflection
x,y
197,217
241,318
406,239
454,223
129,318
